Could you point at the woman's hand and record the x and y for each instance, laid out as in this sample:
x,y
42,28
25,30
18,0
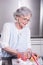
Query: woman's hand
x,y
29,53
36,56
22,55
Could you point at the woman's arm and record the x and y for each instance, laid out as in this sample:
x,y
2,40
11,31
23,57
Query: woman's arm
x,y
5,37
10,51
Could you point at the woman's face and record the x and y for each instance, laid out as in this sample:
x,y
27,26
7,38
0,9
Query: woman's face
x,y
23,20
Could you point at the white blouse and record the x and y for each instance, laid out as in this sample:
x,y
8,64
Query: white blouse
x,y
15,39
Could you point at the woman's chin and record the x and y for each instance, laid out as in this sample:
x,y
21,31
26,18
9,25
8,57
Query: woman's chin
x,y
23,26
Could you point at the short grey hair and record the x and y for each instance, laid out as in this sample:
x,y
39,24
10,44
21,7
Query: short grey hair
x,y
22,11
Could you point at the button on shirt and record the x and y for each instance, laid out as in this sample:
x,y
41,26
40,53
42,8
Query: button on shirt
x,y
16,39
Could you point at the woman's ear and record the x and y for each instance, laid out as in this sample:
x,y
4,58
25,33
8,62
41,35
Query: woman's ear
x,y
16,17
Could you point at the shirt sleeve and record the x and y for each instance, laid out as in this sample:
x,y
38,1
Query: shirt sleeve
x,y
5,36
29,39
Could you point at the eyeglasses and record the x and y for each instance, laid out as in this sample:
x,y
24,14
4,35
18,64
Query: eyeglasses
x,y
25,19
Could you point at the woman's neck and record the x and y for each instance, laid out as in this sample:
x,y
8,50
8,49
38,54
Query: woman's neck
x,y
18,26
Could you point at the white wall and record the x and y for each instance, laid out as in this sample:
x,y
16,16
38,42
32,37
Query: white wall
x,y
7,7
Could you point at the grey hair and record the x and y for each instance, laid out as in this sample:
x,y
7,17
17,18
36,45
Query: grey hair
x,y
22,11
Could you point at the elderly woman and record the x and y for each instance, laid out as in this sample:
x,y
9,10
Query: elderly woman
x,y
16,38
